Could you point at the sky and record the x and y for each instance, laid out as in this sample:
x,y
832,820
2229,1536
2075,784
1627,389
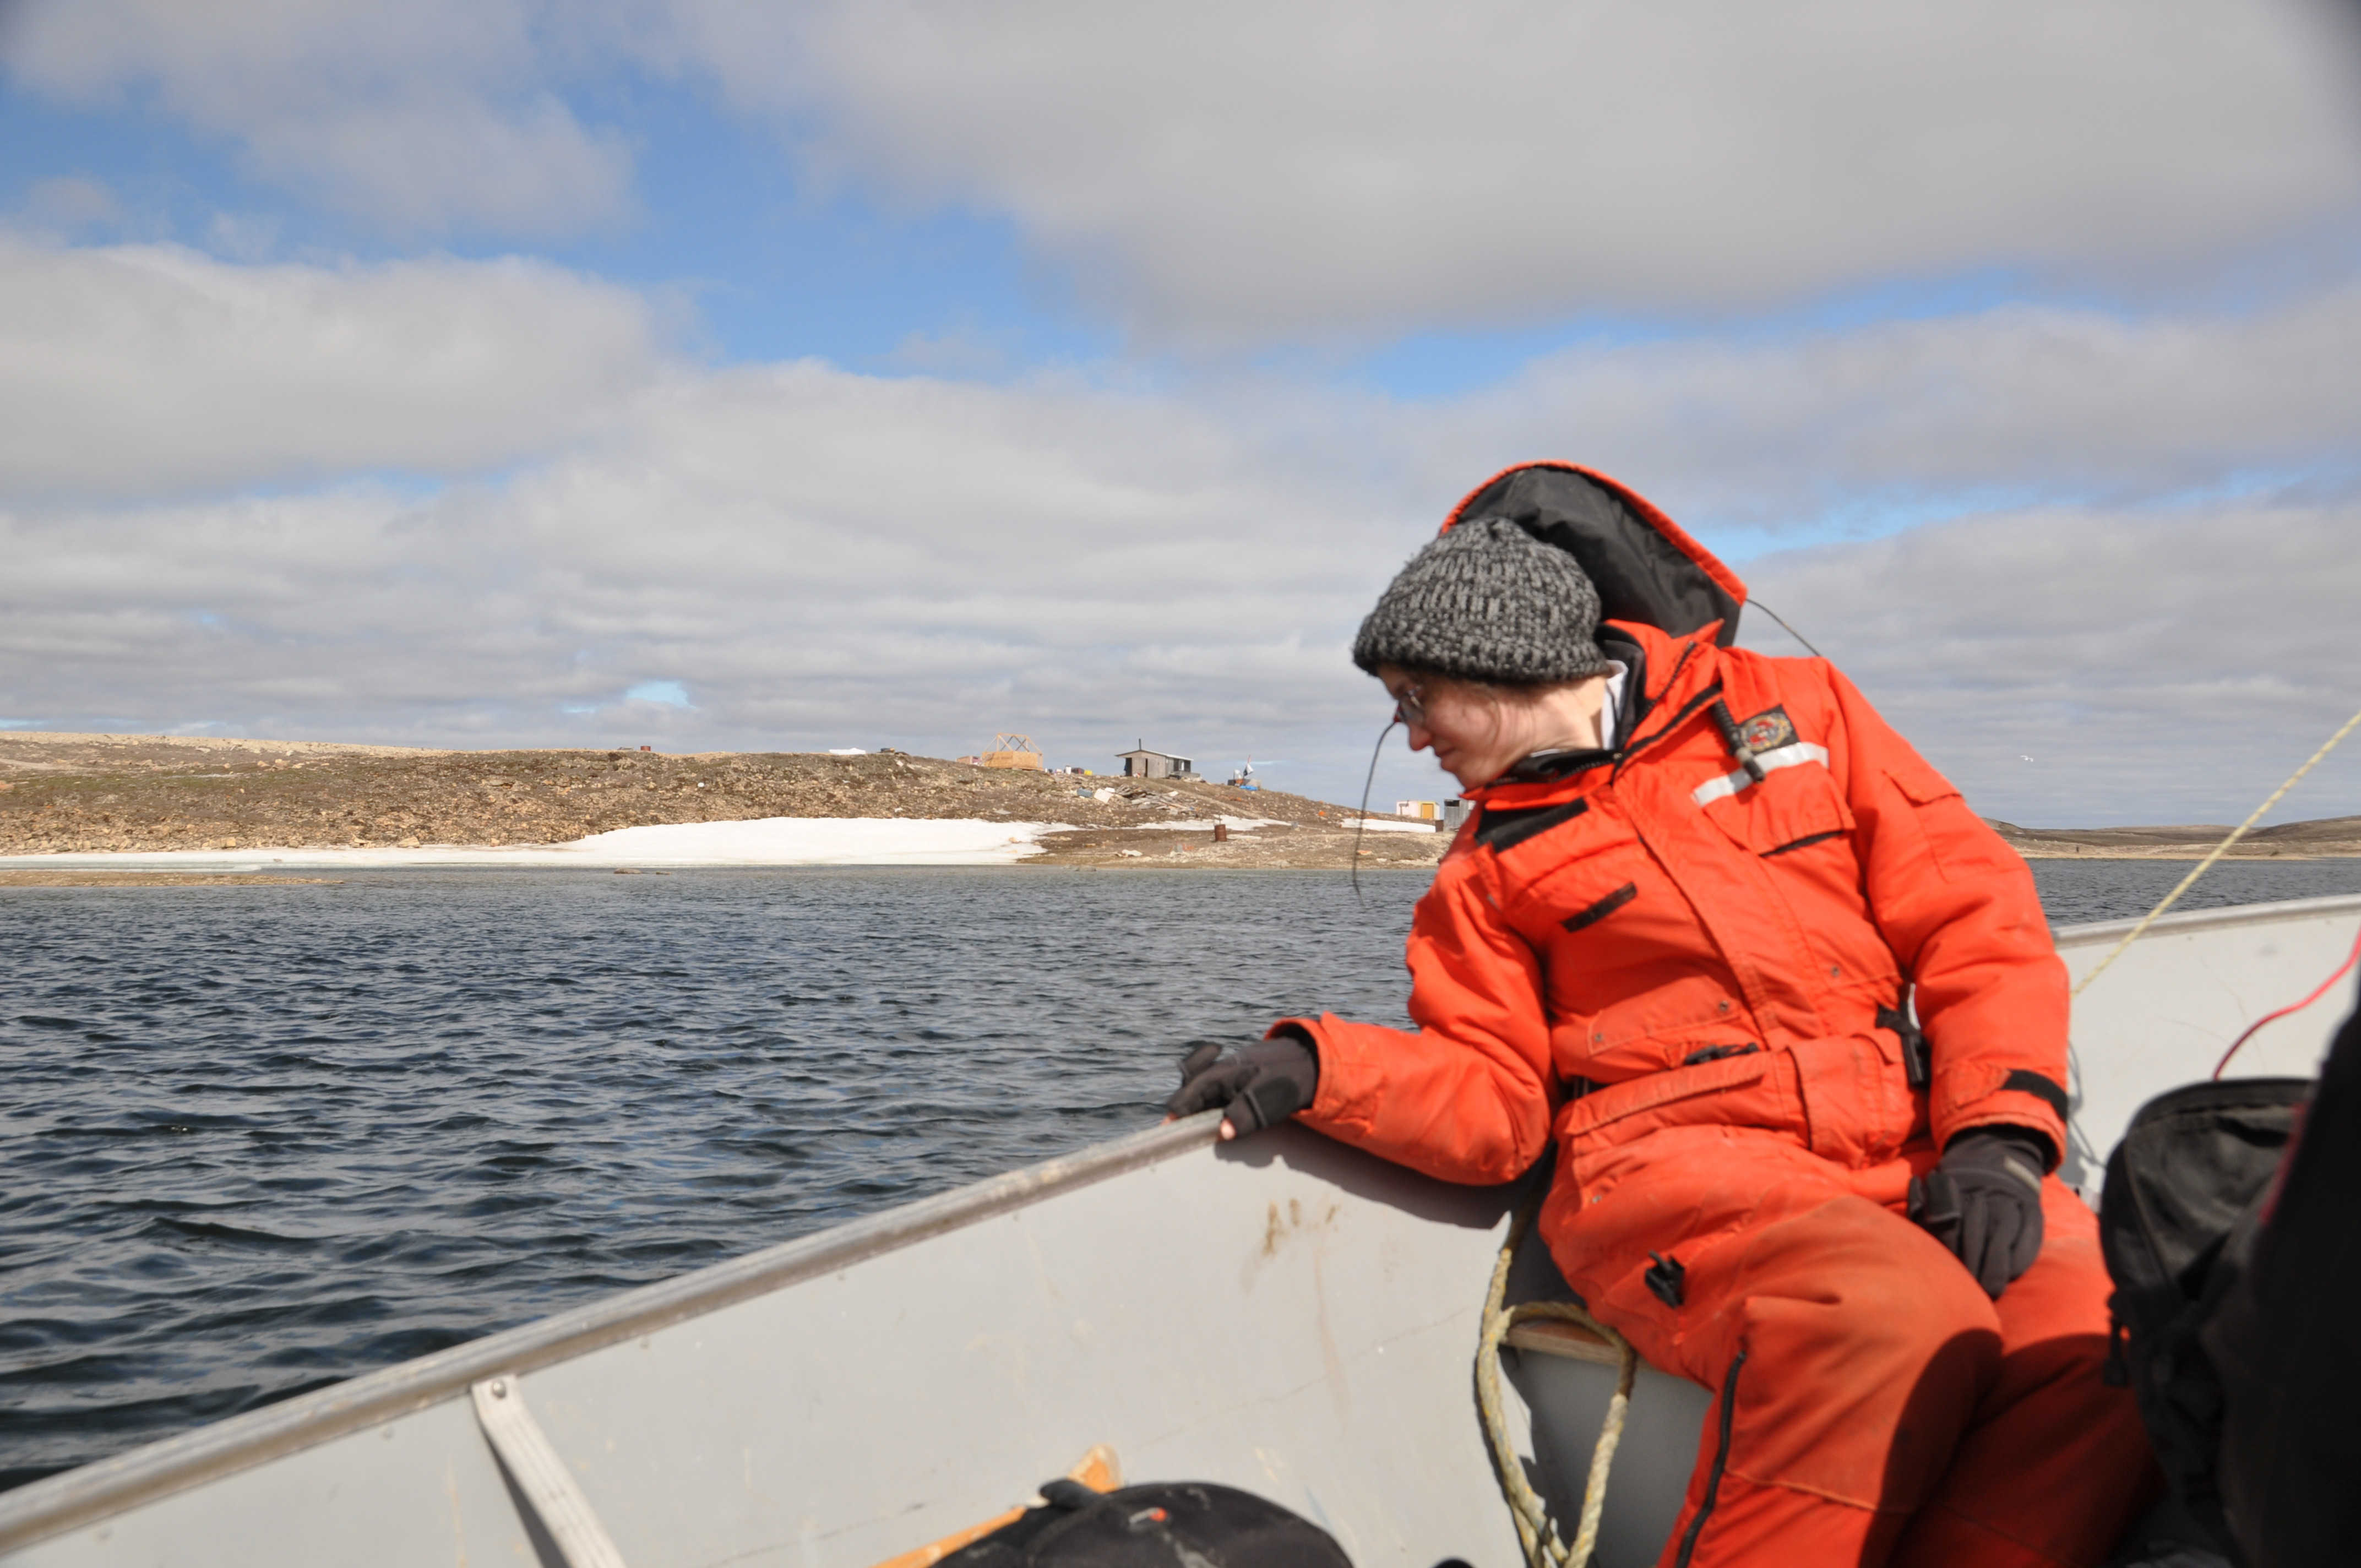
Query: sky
x,y
712,375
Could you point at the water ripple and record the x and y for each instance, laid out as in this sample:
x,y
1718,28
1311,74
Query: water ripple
x,y
264,1138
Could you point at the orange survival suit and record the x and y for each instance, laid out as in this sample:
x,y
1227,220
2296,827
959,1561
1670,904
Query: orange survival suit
x,y
1685,958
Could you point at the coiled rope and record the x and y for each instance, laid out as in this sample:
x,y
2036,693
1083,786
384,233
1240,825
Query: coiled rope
x,y
2219,850
1530,1514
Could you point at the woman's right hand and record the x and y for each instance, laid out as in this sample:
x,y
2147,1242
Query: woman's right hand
x,y
1255,1084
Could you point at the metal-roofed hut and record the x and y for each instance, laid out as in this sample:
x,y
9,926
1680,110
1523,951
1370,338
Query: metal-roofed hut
x,y
1143,763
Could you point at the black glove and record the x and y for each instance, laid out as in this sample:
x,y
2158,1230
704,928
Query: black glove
x,y
1257,1084
1983,1201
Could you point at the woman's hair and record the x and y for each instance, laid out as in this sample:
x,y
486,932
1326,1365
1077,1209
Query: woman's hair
x,y
1494,685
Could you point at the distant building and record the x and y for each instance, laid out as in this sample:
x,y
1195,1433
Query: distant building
x,y
1143,763
1013,750
1424,810
1455,811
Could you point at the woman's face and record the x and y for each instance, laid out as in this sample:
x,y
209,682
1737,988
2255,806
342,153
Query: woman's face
x,y
1472,732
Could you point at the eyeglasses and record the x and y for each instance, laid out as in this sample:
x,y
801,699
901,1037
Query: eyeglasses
x,y
1409,705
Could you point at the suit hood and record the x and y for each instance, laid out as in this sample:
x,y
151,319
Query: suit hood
x,y
1646,569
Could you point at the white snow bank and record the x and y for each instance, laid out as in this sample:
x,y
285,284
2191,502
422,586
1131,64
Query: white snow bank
x,y
767,841
1393,825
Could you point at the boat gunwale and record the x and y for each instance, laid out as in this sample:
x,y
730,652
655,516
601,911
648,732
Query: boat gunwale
x,y
2091,933
51,1507
54,1505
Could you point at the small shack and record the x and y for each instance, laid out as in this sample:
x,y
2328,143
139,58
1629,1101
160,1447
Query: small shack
x,y
1143,763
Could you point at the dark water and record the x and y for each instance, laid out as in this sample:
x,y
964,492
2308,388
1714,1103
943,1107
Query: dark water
x,y
262,1138
2075,891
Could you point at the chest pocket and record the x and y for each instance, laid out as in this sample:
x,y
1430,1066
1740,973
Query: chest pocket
x,y
1794,807
1632,985
1578,876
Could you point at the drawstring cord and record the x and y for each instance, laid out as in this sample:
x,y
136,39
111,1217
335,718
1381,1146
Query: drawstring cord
x,y
1366,784
1757,604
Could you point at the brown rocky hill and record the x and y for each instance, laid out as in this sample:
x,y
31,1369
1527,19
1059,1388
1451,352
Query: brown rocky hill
x,y
69,793
62,792
2327,836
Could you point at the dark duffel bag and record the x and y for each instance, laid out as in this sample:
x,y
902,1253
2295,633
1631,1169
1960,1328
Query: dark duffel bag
x,y
2287,1349
1164,1525
2182,1206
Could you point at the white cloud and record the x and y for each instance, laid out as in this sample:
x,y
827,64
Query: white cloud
x,y
2013,400
827,559
138,369
817,558
2155,666
1236,172
424,116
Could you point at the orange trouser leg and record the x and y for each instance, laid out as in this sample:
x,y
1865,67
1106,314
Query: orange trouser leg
x,y
1874,1405
1849,1349
2055,1465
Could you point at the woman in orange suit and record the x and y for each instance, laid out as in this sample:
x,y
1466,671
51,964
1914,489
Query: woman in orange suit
x,y
1682,935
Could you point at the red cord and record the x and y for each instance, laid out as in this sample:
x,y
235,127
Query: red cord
x,y
2341,969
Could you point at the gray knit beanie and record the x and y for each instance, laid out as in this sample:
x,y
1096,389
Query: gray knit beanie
x,y
1486,601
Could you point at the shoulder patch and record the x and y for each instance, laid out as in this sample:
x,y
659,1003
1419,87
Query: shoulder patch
x,y
1767,731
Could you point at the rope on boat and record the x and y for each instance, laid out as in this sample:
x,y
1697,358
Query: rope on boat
x,y
1530,1514
2219,850
2257,1026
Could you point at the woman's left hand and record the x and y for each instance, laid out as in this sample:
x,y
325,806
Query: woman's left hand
x,y
1983,1201
1258,1085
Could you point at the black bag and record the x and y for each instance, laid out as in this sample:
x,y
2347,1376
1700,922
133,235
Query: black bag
x,y
1163,1525
2286,1348
2183,1201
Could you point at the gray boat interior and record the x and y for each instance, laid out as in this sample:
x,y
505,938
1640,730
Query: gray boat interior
x,y
1285,1315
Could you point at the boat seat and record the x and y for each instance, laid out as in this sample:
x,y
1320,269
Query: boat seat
x,y
1555,1337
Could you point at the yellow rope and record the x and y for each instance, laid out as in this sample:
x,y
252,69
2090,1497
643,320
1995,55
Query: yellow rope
x,y
1526,1509
2219,850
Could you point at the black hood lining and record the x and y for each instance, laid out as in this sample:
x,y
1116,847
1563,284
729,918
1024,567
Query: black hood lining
x,y
1641,575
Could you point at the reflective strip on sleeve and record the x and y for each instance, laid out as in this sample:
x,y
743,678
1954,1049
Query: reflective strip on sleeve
x,y
1794,756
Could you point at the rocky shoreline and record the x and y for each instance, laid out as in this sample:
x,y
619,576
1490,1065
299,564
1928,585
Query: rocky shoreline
x,y
2331,838
111,794
115,794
